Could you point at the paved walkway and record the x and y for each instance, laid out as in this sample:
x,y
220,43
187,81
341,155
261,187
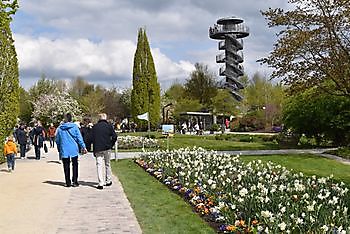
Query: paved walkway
x,y
34,200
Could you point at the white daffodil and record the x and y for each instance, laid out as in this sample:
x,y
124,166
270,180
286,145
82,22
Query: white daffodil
x,y
282,226
266,214
243,192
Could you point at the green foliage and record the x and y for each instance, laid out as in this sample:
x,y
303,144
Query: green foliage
x,y
80,88
175,93
252,121
25,106
313,45
201,85
125,101
145,96
319,115
92,103
185,105
9,83
215,127
113,106
224,103
262,105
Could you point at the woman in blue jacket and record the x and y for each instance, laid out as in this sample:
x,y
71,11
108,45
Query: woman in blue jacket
x,y
69,141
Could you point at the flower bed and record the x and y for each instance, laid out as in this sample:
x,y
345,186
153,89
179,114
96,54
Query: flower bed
x,y
131,142
253,197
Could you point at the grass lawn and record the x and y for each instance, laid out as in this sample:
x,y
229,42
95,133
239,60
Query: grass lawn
x,y
157,209
308,164
210,143
207,142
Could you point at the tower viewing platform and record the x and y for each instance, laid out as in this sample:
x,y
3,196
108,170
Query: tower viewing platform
x,y
230,31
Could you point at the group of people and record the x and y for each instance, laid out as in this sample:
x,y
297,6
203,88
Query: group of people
x,y
195,127
71,142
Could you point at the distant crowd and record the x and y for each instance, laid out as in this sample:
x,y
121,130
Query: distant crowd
x,y
71,139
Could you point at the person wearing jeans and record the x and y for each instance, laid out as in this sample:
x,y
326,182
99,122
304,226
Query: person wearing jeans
x,y
103,138
10,150
68,140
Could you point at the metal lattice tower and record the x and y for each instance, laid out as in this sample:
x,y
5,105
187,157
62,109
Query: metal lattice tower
x,y
230,31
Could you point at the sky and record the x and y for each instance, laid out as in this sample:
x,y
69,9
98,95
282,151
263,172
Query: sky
x,y
96,39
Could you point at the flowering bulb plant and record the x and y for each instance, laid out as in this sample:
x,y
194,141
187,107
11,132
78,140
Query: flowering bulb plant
x,y
130,142
254,197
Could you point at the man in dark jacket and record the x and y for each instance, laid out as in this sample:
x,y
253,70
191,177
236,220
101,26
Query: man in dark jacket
x,y
37,136
103,138
21,137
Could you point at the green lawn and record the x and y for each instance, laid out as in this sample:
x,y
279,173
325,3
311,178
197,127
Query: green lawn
x,y
207,142
308,164
157,209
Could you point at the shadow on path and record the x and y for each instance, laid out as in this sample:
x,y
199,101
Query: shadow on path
x,y
81,183
53,161
4,170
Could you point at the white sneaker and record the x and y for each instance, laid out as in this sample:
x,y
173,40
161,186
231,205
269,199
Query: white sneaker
x,y
10,170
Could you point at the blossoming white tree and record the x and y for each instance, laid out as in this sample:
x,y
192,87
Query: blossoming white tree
x,y
52,107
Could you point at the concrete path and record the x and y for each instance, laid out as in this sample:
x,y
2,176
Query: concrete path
x,y
34,200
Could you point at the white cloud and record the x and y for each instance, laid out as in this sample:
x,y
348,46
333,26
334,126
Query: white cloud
x,y
96,39
97,61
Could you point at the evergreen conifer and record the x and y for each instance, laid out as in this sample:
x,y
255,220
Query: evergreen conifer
x,y
9,84
145,96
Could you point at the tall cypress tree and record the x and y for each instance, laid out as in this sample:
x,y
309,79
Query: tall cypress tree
x,y
9,83
145,96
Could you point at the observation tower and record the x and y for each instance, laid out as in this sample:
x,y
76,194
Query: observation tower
x,y
230,31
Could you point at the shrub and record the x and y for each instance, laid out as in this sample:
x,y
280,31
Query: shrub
x,y
269,138
247,138
288,139
215,127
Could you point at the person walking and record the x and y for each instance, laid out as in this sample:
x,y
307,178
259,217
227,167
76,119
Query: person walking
x,y
37,136
21,136
52,134
69,140
10,150
85,130
103,138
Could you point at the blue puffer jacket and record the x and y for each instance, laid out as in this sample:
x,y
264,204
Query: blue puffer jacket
x,y
66,145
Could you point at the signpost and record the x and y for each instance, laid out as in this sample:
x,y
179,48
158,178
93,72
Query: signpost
x,y
168,130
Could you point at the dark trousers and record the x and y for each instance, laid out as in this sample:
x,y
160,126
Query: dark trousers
x,y
10,161
22,149
66,168
37,152
52,142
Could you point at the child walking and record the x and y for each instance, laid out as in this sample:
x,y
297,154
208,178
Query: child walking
x,y
10,150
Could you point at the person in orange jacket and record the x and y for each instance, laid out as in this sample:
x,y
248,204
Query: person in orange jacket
x,y
10,150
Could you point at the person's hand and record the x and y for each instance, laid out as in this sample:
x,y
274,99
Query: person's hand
x,y
84,151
